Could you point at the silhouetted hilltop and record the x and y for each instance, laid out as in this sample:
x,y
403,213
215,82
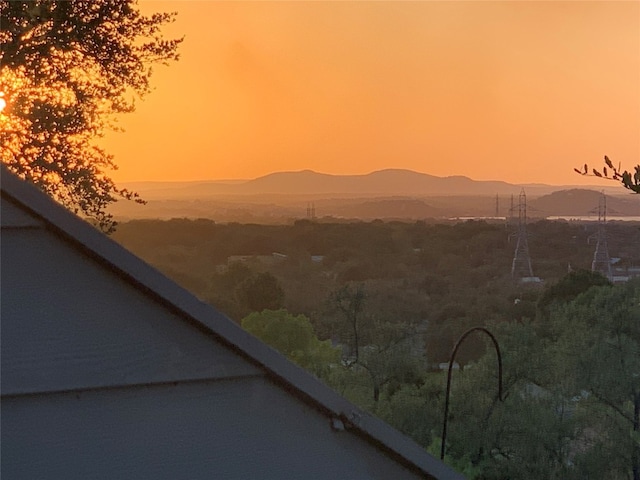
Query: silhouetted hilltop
x,y
385,194
389,208
581,202
382,182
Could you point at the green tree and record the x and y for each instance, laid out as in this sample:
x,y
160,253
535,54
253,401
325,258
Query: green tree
x,y
415,408
598,346
293,336
569,287
572,392
349,300
259,292
67,68
223,287
379,349
239,290
530,434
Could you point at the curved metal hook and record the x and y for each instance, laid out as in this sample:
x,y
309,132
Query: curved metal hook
x,y
451,359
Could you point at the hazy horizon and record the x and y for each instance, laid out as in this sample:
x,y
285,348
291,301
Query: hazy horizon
x,y
515,91
595,182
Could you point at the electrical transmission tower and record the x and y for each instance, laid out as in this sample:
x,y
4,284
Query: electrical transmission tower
x,y
311,211
601,260
521,265
511,210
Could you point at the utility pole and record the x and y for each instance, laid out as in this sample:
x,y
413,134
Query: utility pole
x,y
521,264
601,260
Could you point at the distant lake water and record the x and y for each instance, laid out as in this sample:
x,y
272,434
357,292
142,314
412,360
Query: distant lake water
x,y
475,218
569,218
594,218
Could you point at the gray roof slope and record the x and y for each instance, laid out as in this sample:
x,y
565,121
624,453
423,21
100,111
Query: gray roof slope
x,y
295,380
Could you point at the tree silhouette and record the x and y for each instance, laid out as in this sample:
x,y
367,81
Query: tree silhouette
x,y
259,292
66,69
629,180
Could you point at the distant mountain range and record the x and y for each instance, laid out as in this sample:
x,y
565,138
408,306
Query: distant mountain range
x,y
386,194
306,182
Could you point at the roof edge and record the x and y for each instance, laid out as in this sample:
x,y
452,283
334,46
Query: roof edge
x,y
299,382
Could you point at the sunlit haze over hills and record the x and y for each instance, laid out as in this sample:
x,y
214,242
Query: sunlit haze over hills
x,y
519,92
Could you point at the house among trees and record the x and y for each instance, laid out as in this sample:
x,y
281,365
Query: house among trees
x,y
110,370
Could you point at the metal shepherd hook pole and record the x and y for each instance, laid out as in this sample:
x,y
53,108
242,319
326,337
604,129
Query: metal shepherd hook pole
x,y
451,359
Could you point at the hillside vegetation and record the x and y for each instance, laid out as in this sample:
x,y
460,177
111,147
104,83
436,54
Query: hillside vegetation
x,y
374,308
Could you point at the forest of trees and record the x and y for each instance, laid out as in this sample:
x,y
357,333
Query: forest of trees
x,y
373,308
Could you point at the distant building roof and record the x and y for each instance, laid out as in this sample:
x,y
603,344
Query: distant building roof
x,y
531,280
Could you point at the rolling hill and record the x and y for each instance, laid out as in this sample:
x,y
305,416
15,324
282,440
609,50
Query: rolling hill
x,y
582,202
391,194
306,182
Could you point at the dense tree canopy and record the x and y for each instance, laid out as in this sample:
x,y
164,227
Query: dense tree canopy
x,y
570,347
293,336
597,343
572,407
569,287
67,67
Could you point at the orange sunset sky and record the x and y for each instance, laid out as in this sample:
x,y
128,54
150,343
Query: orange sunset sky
x,y
514,91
